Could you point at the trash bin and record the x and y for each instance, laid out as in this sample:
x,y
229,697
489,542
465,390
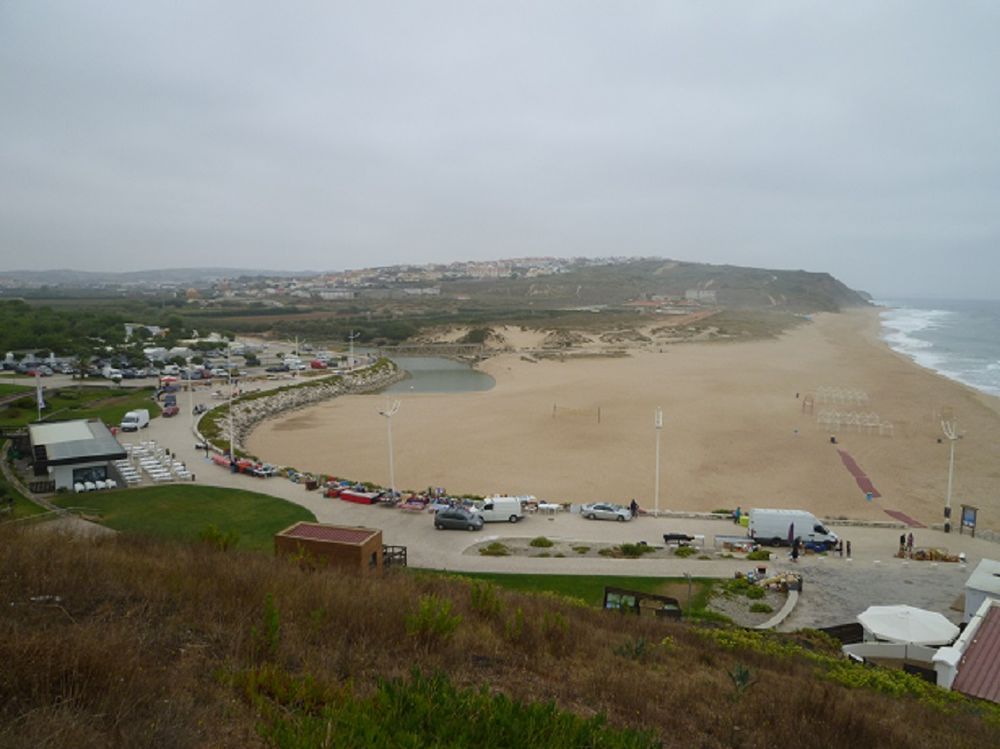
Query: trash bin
x,y
312,485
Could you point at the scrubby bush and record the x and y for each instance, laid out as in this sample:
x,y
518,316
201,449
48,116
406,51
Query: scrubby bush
x,y
760,608
685,551
541,542
759,555
495,549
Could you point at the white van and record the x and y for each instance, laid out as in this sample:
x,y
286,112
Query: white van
x,y
500,509
133,421
773,527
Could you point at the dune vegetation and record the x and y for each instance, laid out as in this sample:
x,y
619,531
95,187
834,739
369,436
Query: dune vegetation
x,y
136,642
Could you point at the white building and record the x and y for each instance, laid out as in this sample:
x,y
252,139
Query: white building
x,y
69,452
983,583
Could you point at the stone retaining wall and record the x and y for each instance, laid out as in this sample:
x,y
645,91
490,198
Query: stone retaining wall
x,y
251,411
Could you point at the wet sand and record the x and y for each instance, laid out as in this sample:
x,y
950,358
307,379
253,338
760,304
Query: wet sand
x,y
734,431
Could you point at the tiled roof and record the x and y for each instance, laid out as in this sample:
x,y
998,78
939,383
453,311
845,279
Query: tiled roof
x,y
979,669
337,533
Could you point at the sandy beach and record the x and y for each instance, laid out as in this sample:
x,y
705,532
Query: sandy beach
x,y
734,433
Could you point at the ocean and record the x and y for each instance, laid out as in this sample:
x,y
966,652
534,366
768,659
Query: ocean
x,y
958,339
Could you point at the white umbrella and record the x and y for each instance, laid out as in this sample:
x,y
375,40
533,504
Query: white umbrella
x,y
907,624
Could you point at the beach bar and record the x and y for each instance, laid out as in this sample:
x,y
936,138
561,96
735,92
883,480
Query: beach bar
x,y
358,549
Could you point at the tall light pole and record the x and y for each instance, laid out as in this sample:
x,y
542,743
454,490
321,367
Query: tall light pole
x,y
350,358
950,429
232,435
658,423
190,380
390,410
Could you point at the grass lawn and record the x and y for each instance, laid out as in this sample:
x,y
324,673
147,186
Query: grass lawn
x,y
590,588
106,404
7,389
22,507
184,511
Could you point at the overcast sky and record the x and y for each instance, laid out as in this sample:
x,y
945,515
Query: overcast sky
x,y
859,138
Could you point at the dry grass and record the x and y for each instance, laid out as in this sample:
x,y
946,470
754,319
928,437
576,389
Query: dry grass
x,y
139,647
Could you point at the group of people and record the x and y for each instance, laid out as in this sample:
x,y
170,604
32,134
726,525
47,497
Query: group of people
x,y
906,545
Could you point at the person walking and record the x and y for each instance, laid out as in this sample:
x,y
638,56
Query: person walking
x,y
848,549
909,545
737,514
634,507
902,544
795,550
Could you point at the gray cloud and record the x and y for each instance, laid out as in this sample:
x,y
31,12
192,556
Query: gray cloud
x,y
857,138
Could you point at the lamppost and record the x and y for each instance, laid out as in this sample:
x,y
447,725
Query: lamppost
x,y
190,384
390,410
950,429
232,435
350,358
658,424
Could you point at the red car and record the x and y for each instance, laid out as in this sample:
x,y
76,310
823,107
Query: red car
x,y
318,364
171,411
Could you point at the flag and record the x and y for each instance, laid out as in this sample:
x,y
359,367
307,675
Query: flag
x,y
38,385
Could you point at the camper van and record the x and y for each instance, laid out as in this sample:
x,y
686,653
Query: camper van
x,y
777,527
500,509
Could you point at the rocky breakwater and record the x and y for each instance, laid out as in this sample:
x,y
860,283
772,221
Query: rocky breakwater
x,y
250,410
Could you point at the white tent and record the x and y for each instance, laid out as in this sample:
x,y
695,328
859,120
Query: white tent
x,y
907,624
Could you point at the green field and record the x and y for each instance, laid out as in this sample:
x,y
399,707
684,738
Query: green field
x,y
106,404
7,388
22,507
590,588
184,511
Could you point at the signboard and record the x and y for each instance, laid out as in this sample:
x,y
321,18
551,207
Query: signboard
x,y
968,519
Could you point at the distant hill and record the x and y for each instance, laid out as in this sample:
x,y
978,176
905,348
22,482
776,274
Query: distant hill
x,y
647,278
183,276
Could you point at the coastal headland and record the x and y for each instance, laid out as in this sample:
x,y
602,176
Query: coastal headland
x,y
738,428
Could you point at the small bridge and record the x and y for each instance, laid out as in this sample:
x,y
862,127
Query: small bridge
x,y
432,349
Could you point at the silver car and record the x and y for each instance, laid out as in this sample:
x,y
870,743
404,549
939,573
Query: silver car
x,y
606,511
457,518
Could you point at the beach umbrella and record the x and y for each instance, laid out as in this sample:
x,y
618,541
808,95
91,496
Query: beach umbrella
x,y
908,624
168,379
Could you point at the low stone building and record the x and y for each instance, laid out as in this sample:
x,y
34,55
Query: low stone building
x,y
356,549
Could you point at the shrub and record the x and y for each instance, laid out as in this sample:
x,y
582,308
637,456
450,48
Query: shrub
x,y
513,628
634,551
432,623
581,549
635,650
222,541
495,549
267,637
541,542
759,555
422,711
760,608
485,600
755,592
685,551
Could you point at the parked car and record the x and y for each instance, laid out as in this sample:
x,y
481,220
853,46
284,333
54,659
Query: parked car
x,y
171,410
606,511
457,518
220,372
277,368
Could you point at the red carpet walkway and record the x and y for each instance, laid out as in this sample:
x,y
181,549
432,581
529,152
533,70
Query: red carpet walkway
x,y
864,482
867,486
904,518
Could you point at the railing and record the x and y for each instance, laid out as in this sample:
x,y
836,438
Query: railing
x,y
393,556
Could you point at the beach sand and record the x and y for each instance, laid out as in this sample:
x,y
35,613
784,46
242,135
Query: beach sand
x,y
734,432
